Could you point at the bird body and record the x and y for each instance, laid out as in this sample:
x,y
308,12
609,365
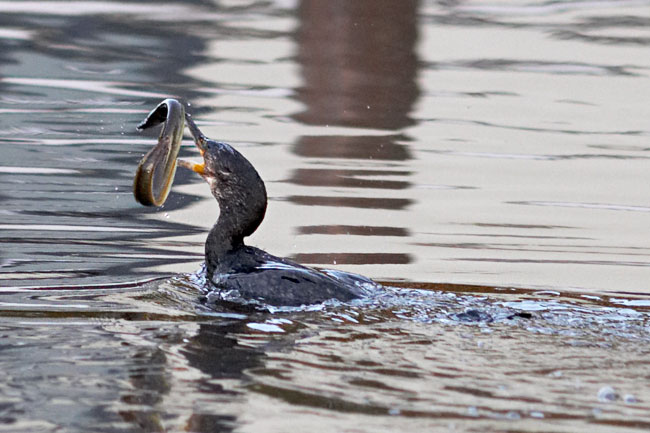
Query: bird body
x,y
231,265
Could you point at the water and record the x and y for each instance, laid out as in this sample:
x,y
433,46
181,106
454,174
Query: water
x,y
490,160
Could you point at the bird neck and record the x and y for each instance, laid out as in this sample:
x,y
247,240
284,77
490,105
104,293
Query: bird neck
x,y
239,216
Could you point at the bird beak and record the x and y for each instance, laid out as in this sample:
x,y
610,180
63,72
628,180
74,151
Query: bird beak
x,y
197,168
200,141
199,138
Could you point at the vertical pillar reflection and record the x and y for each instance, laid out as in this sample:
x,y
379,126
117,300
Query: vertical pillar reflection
x,y
359,68
358,62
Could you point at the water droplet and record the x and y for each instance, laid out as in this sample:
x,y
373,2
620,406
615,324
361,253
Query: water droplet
x,y
630,399
513,415
607,394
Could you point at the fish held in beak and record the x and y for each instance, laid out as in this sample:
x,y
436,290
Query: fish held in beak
x,y
155,173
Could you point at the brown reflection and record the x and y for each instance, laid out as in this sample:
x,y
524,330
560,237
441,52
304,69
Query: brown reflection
x,y
347,178
360,202
360,147
213,351
353,230
150,383
353,258
358,62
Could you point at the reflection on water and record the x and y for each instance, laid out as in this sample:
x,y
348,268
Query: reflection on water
x,y
417,358
355,147
348,178
361,202
364,76
353,230
466,146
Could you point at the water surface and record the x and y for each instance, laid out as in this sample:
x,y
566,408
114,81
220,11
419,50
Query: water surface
x,y
490,160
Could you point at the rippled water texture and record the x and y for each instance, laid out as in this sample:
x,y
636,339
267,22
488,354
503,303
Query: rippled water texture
x,y
488,160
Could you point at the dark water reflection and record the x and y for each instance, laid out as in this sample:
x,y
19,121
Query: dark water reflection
x,y
360,202
468,146
354,230
153,359
358,147
364,76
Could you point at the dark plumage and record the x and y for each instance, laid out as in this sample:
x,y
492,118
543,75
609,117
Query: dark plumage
x,y
253,273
